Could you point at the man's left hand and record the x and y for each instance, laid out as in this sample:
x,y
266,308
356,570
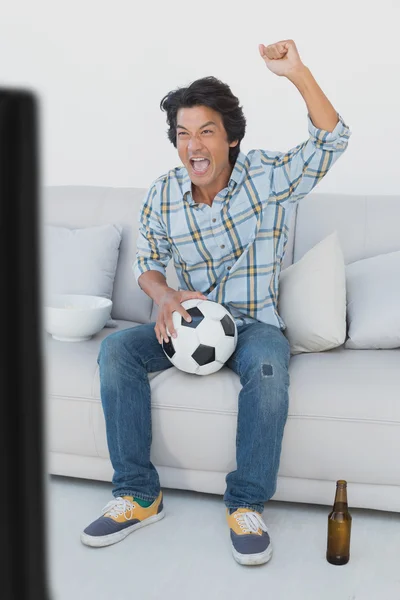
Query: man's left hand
x,y
282,58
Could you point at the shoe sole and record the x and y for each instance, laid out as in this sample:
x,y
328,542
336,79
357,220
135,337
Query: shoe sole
x,y
113,538
252,559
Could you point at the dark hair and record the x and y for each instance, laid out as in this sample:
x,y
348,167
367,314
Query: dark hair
x,y
210,92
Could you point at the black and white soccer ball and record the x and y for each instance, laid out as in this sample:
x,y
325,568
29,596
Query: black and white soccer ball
x,y
204,344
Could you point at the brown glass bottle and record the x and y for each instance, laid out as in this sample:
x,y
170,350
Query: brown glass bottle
x,y
339,528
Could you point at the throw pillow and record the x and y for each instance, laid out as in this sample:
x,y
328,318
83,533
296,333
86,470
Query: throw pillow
x,y
81,261
373,302
312,298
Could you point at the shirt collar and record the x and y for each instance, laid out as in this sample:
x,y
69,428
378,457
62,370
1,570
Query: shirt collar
x,y
235,178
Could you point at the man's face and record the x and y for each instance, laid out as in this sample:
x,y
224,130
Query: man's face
x,y
201,134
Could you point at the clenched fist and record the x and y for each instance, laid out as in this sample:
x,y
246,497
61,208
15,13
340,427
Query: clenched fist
x,y
282,58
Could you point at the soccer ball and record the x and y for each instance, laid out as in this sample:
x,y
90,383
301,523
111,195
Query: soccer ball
x,y
204,344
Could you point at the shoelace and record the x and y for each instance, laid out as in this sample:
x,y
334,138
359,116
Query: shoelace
x,y
119,506
250,522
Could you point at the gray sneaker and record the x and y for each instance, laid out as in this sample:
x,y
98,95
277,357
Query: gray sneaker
x,y
119,518
251,543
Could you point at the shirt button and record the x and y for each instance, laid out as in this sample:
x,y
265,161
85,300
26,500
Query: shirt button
x,y
228,268
222,246
214,220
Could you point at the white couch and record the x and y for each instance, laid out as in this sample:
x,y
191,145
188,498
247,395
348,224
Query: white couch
x,y
344,411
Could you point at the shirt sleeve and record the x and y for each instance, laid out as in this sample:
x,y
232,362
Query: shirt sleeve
x,y
297,172
153,251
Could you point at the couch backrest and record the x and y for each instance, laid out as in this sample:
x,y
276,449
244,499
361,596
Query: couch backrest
x,y
366,225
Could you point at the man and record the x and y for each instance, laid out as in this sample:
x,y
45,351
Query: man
x,y
223,217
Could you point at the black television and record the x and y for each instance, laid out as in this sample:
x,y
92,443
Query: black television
x,y
22,500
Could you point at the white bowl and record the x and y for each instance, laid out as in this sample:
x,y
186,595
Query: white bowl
x,y
75,317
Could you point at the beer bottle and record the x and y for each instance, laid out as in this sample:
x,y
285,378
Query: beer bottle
x,y
339,528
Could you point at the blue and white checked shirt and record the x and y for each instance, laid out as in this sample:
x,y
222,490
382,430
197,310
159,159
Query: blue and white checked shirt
x,y
232,251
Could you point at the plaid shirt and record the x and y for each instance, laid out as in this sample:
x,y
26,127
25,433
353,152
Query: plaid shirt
x,y
232,251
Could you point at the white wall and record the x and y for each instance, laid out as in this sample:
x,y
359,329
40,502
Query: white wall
x,y
100,70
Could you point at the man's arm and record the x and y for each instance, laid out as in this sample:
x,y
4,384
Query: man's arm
x,y
153,251
320,110
295,173
154,284
152,257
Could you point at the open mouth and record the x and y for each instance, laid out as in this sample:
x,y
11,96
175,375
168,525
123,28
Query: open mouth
x,y
200,166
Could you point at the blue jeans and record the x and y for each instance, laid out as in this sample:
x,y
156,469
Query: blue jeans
x,y
261,360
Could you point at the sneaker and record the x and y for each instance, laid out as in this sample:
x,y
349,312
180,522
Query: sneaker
x,y
119,518
251,543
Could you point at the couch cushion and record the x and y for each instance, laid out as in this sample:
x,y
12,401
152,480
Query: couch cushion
x,y
312,298
361,385
322,384
331,415
373,294
366,225
72,387
86,206
72,369
332,418
81,261
344,418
